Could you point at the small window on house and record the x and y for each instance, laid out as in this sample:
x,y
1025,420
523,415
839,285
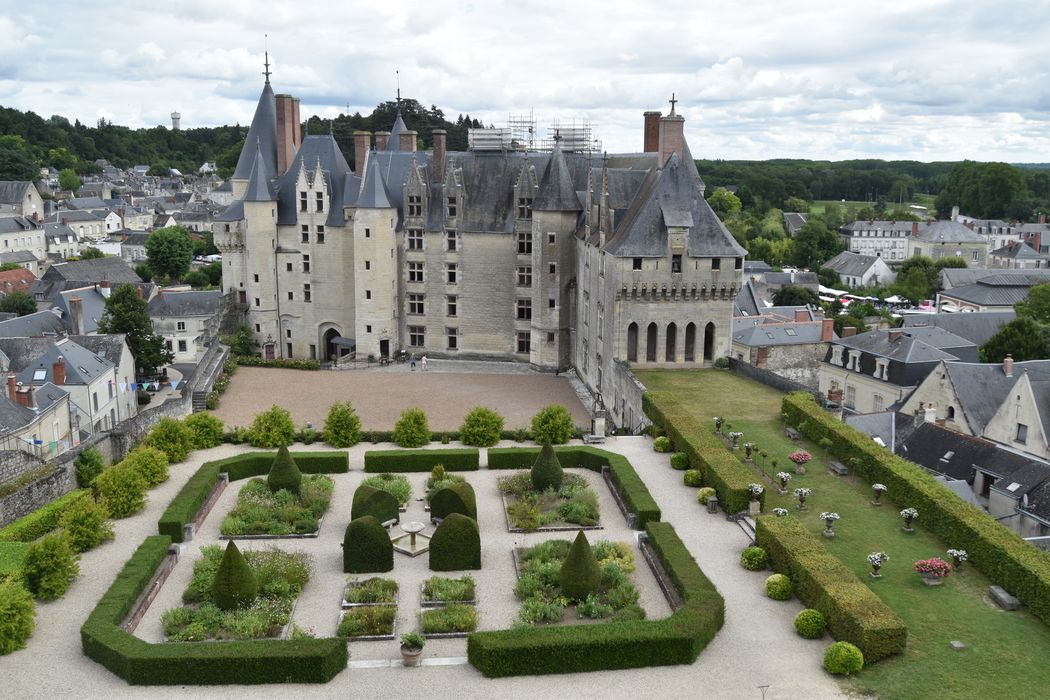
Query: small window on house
x,y
1022,433
291,296
257,329
415,205
320,234
368,264
551,303
180,325
415,272
451,305
790,331
415,304
451,206
368,329
256,301
450,241
451,270
415,239
306,263
550,337
288,267
288,350
452,335
368,294
313,351
524,207
306,233
951,413
525,243
551,238
636,264
739,263
417,336
676,263
255,277
368,233
307,293
288,333
524,341
552,268
320,203
974,258
524,309
302,201
716,263
525,276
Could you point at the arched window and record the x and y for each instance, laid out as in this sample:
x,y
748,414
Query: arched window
x,y
650,343
632,342
690,342
709,342
951,413
672,339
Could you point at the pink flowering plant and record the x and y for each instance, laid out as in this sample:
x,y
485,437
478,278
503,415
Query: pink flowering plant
x,y
800,456
935,567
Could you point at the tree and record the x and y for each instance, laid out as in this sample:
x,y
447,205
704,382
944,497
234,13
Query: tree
x,y
10,266
68,180
580,575
984,190
796,204
241,342
724,203
342,427
546,472
828,277
169,251
235,584
1022,338
284,472
91,253
552,425
197,280
1036,306
795,296
126,312
813,244
18,302
481,427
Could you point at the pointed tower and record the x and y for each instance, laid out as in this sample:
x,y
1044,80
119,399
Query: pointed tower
x,y
260,227
263,132
376,266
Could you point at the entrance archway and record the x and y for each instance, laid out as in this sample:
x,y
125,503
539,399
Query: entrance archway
x,y
331,352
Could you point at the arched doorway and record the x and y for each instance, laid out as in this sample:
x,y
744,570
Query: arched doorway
x,y
632,342
690,342
671,340
650,343
709,342
331,352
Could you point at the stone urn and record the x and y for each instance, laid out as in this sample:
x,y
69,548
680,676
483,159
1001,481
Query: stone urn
x,y
875,571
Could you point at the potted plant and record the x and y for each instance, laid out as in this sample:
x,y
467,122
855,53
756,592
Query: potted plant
x,y
829,519
412,644
734,437
933,570
754,491
876,560
879,489
784,478
719,420
748,449
800,457
958,557
780,512
802,493
909,514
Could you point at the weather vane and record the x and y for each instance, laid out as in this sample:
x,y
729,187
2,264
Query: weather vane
x,y
266,63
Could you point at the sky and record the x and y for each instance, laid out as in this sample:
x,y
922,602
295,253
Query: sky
x,y
915,79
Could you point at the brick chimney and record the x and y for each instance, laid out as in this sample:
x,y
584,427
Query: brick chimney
x,y
362,140
407,141
138,291
58,372
76,314
827,330
652,132
801,315
672,136
914,228
289,136
103,288
848,331
11,385
21,395
1008,365
895,334
382,138
438,164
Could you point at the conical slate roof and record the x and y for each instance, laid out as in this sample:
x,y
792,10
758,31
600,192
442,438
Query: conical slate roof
x,y
394,144
556,191
262,132
373,191
259,189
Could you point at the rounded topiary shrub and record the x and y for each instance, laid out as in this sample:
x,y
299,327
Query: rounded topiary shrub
x,y
122,490
85,524
88,466
454,498
456,545
150,462
17,616
49,567
481,427
412,429
662,444
205,430
580,574
692,477
171,437
754,559
235,585
810,624
778,587
553,425
703,494
546,470
272,428
284,472
342,427
367,548
381,505
680,461
843,659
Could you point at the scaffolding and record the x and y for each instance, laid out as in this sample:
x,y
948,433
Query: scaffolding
x,y
523,130
521,134
574,136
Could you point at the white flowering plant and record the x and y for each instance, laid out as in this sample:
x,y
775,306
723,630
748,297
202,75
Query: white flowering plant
x,y
909,513
959,554
881,488
877,558
829,516
755,490
780,512
784,477
803,492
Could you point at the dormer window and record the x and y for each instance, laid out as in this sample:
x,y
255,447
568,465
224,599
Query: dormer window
x,y
524,207
676,264
303,199
451,207
320,201
836,355
415,205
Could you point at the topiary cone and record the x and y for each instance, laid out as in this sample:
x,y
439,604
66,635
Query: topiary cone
x,y
284,472
580,574
547,472
235,584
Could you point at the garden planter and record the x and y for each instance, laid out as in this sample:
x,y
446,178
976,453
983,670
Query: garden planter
x,y
957,562
410,656
932,580
875,573
801,502
878,499
800,469
828,532
754,508
907,526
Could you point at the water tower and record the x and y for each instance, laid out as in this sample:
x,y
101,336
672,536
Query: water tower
x,y
175,117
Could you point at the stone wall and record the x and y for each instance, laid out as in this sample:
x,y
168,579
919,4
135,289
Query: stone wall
x,y
38,493
625,402
766,377
15,463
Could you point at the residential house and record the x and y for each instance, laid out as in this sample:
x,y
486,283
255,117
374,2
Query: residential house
x,y
188,321
20,280
135,219
163,221
87,203
793,221
884,239
133,246
995,292
20,198
788,341
40,324
100,189
62,242
975,327
948,239
1017,256
86,224
21,257
114,348
22,235
855,270
35,419
952,277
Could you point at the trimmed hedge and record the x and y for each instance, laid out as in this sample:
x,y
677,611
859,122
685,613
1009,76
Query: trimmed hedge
x,y
182,663
183,508
852,611
999,553
456,544
368,500
395,461
630,485
367,547
678,639
454,498
43,520
719,467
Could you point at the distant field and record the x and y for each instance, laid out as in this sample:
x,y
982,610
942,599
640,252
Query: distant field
x,y
818,206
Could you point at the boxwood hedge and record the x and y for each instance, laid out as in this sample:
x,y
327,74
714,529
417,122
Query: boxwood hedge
x,y
678,639
222,663
996,551
629,484
43,520
183,508
454,459
853,612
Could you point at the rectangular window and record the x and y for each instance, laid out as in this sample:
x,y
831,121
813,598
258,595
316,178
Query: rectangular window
x,y
525,243
368,264
524,207
876,403
417,336
415,239
636,264
451,206
288,350
739,264
368,329
450,241
415,272
676,263
550,303
851,396
320,204
524,341
306,263
180,325
313,351
368,294
415,205
550,337
452,335
1022,433
524,308
182,346
368,233
525,276
415,304
291,296
306,233
320,234
302,201
552,268
451,305
975,256
551,238
450,271
257,329
288,267
94,400
716,263
255,277
307,293
256,301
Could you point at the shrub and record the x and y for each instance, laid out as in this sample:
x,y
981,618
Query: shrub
x,y
439,588
367,621
455,498
552,425
122,490
481,427
692,477
778,587
17,616
284,473
453,460
342,427
86,526
367,548
546,472
449,619
580,575
722,363
272,428
411,429
235,585
372,590
810,624
843,659
150,462
754,559
662,444
43,520
205,430
171,437
381,505
88,465
394,484
456,544
50,567
703,494
680,461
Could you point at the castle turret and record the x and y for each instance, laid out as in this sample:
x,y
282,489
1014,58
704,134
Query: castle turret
x,y
376,271
263,132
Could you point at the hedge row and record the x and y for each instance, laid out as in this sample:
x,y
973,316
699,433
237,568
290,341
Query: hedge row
x,y
678,639
628,483
232,662
256,361
996,551
447,436
393,461
183,508
718,467
43,520
853,612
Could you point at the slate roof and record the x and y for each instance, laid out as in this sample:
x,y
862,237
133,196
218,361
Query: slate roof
x,y
891,427
1018,251
36,324
22,352
82,365
111,346
556,191
949,232
59,232
976,327
957,455
85,203
109,268
851,264
987,293
756,266
202,303
981,388
259,189
134,238
263,132
93,305
794,221
13,416
373,193
76,215
394,142
13,191
755,332
16,224
17,256
315,149
904,226
903,349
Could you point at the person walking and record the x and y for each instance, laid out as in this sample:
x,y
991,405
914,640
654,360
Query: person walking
x,y
423,363
412,362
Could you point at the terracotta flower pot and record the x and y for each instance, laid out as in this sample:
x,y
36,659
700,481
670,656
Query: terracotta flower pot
x,y
410,656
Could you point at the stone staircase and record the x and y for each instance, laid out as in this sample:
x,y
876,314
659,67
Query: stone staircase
x,y
205,379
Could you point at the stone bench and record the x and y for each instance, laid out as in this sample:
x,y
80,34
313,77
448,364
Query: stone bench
x,y
792,434
591,439
1003,599
838,468
389,523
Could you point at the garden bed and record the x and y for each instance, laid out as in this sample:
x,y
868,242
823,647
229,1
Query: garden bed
x,y
572,507
394,484
264,514
370,591
438,591
366,623
449,621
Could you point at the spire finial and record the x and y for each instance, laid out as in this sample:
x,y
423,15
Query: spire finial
x,y
266,63
672,101
397,77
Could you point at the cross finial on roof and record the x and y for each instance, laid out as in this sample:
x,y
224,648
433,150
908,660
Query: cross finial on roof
x,y
397,77
557,136
266,63
672,101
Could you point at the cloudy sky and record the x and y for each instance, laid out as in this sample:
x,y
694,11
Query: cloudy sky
x,y
920,79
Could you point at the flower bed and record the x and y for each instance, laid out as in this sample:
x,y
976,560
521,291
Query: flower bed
x,y
529,510
371,591
261,512
441,590
367,622
394,484
456,620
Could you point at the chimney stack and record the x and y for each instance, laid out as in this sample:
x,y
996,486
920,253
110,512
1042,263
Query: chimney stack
x,y
138,290
895,334
929,414
288,133
955,213
11,385
672,136
914,228
362,140
76,314
407,141
848,331
104,289
801,315
382,138
1008,365
21,397
438,163
58,372
652,132
827,330
969,225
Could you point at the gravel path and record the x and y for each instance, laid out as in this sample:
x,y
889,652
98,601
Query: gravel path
x,y
756,647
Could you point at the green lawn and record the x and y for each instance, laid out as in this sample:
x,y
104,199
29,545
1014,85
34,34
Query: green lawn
x,y
1006,651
